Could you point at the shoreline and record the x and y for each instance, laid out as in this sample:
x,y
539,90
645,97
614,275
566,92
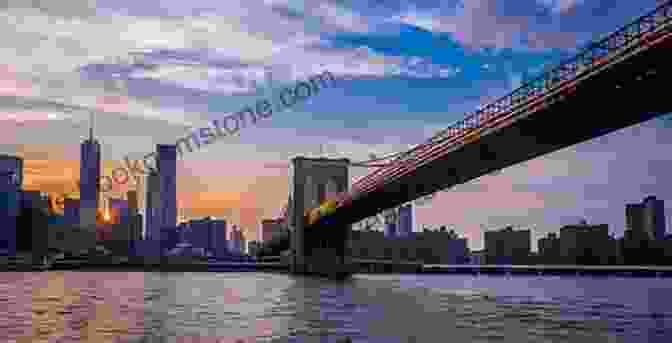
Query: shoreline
x,y
370,269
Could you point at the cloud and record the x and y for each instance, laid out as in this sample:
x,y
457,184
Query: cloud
x,y
32,116
94,60
11,85
487,23
323,15
69,9
516,81
240,79
74,42
245,77
359,62
560,6
342,17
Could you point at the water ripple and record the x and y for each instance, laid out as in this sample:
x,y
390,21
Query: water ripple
x,y
153,307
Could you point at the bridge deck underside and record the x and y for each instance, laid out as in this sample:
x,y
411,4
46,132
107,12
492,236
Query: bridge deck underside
x,y
596,108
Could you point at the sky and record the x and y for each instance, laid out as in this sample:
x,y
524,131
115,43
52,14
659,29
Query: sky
x,y
151,71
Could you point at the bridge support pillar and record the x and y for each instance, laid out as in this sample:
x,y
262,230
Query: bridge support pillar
x,y
318,250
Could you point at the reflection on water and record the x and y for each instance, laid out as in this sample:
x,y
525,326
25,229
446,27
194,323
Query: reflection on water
x,y
258,307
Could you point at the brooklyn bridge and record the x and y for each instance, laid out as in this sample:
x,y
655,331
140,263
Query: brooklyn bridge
x,y
616,82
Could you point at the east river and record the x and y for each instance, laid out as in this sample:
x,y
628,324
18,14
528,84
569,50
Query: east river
x,y
267,307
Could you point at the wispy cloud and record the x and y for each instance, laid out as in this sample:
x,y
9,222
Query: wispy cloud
x,y
94,60
488,23
322,15
31,116
11,84
560,6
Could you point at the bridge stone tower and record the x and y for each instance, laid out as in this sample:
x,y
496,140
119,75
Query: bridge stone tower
x,y
319,250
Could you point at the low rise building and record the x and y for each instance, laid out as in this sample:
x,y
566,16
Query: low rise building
x,y
549,249
69,239
442,247
10,206
237,240
585,244
253,248
427,247
71,211
208,233
507,246
477,257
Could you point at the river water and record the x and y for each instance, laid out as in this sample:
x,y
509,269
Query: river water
x,y
266,307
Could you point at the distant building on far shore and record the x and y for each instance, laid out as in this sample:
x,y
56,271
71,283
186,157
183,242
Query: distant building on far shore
x,y
11,178
644,238
71,211
89,193
208,233
585,244
647,218
507,246
477,257
237,241
580,244
253,247
406,214
549,249
430,247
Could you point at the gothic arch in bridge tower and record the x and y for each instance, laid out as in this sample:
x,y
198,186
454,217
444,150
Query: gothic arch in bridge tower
x,y
311,181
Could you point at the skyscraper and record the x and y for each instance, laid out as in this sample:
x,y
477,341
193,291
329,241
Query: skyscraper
x,y
241,241
35,199
12,167
89,180
167,165
209,234
232,240
218,244
134,215
405,220
119,211
152,202
33,223
654,217
71,209
198,233
237,242
647,219
390,230
634,217
390,218
11,179
507,246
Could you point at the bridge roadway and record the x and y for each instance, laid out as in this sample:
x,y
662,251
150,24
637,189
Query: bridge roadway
x,y
633,87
